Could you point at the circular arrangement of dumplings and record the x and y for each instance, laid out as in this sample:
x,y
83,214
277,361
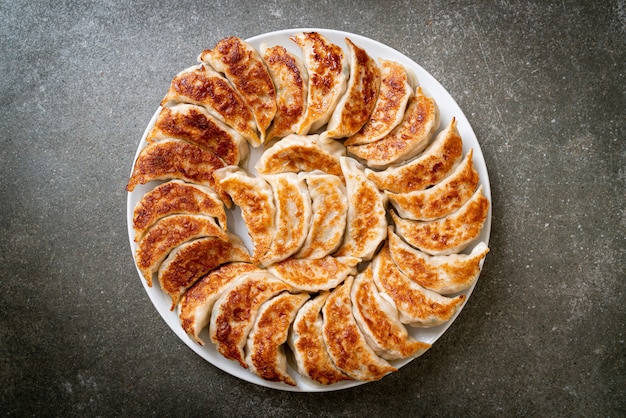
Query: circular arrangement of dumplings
x,y
357,210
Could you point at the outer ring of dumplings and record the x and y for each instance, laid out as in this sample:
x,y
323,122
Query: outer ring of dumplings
x,y
232,370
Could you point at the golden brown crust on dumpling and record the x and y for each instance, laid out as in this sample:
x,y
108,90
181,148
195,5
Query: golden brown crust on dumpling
x,y
235,311
291,80
293,216
345,342
203,86
297,153
265,353
446,274
366,225
426,170
329,206
167,234
256,201
417,306
194,124
173,159
176,197
243,66
186,264
378,320
304,158
307,343
328,72
394,94
409,138
197,302
314,275
357,103
441,199
446,235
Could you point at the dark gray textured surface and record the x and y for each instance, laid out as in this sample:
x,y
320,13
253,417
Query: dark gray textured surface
x,y
543,85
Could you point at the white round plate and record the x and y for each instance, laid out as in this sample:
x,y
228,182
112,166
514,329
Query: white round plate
x,y
448,108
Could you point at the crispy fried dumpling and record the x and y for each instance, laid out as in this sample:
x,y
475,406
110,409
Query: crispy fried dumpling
x,y
197,302
409,138
447,235
296,153
236,310
187,263
293,216
429,168
201,85
440,200
255,198
345,341
265,353
394,94
356,105
174,159
417,306
194,124
444,274
328,71
292,85
314,275
167,234
366,225
378,320
176,197
329,206
308,346
244,67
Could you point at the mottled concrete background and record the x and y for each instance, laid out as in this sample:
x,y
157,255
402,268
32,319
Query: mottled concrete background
x,y
543,85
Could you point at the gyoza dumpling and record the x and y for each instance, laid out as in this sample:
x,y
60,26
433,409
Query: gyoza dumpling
x,y
236,310
394,94
264,349
292,85
203,86
328,71
429,168
307,344
314,275
417,306
329,206
443,198
444,274
366,226
194,124
175,159
244,67
197,302
378,320
345,341
356,105
167,234
187,263
255,198
293,216
446,235
296,153
176,197
409,138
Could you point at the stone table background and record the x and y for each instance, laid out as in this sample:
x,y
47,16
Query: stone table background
x,y
543,85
